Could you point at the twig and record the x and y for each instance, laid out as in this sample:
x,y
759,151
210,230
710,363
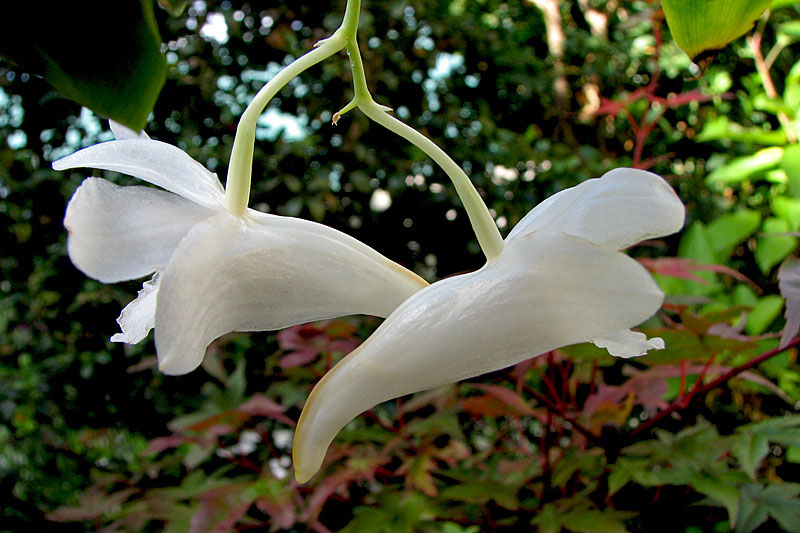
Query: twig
x,y
766,80
555,409
698,390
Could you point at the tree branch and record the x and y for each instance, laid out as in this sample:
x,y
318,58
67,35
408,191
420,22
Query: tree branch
x,y
684,401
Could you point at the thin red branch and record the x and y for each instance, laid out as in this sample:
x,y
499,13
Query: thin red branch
x,y
551,387
754,42
699,390
556,409
682,390
699,382
544,446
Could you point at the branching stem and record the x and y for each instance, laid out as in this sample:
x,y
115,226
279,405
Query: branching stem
x,y
237,188
482,222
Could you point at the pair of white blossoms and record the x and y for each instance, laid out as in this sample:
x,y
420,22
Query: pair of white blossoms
x,y
560,279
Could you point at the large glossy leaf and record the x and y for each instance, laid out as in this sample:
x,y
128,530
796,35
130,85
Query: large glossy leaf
x,y
701,27
103,55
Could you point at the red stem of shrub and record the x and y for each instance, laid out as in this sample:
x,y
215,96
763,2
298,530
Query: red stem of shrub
x,y
697,390
556,409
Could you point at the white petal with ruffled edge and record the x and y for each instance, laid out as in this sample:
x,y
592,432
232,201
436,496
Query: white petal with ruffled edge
x,y
623,207
266,272
626,343
121,233
545,291
139,316
155,162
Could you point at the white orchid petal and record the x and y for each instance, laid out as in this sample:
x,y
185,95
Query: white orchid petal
x,y
124,132
155,162
626,343
545,291
623,207
120,233
139,316
266,272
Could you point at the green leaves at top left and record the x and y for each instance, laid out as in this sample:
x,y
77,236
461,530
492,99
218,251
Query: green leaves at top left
x,y
103,55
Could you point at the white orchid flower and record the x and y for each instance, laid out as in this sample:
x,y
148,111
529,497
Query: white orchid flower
x,y
215,272
559,280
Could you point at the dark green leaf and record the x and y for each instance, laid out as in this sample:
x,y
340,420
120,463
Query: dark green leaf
x,y
757,503
103,55
750,449
783,430
593,520
720,490
480,492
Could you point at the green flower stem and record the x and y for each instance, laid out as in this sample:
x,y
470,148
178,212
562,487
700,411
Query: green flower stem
x,y
237,187
483,225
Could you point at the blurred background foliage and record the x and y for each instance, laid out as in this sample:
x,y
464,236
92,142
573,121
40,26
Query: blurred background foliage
x,y
93,437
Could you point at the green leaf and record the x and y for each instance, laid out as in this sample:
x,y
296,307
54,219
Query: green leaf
x,y
576,515
452,527
791,93
480,492
793,454
740,169
718,490
728,231
763,310
750,449
623,471
394,514
703,26
593,520
784,430
696,244
772,247
790,163
722,128
103,55
787,209
547,520
780,502
790,29
778,4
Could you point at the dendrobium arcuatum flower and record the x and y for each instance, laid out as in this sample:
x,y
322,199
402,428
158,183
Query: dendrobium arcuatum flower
x,y
214,272
560,279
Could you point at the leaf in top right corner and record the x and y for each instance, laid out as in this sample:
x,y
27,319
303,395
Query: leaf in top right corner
x,y
702,27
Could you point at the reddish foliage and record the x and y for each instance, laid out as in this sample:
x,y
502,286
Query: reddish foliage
x,y
306,342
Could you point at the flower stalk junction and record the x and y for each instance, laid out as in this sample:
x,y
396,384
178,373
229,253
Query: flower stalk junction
x,y
237,189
